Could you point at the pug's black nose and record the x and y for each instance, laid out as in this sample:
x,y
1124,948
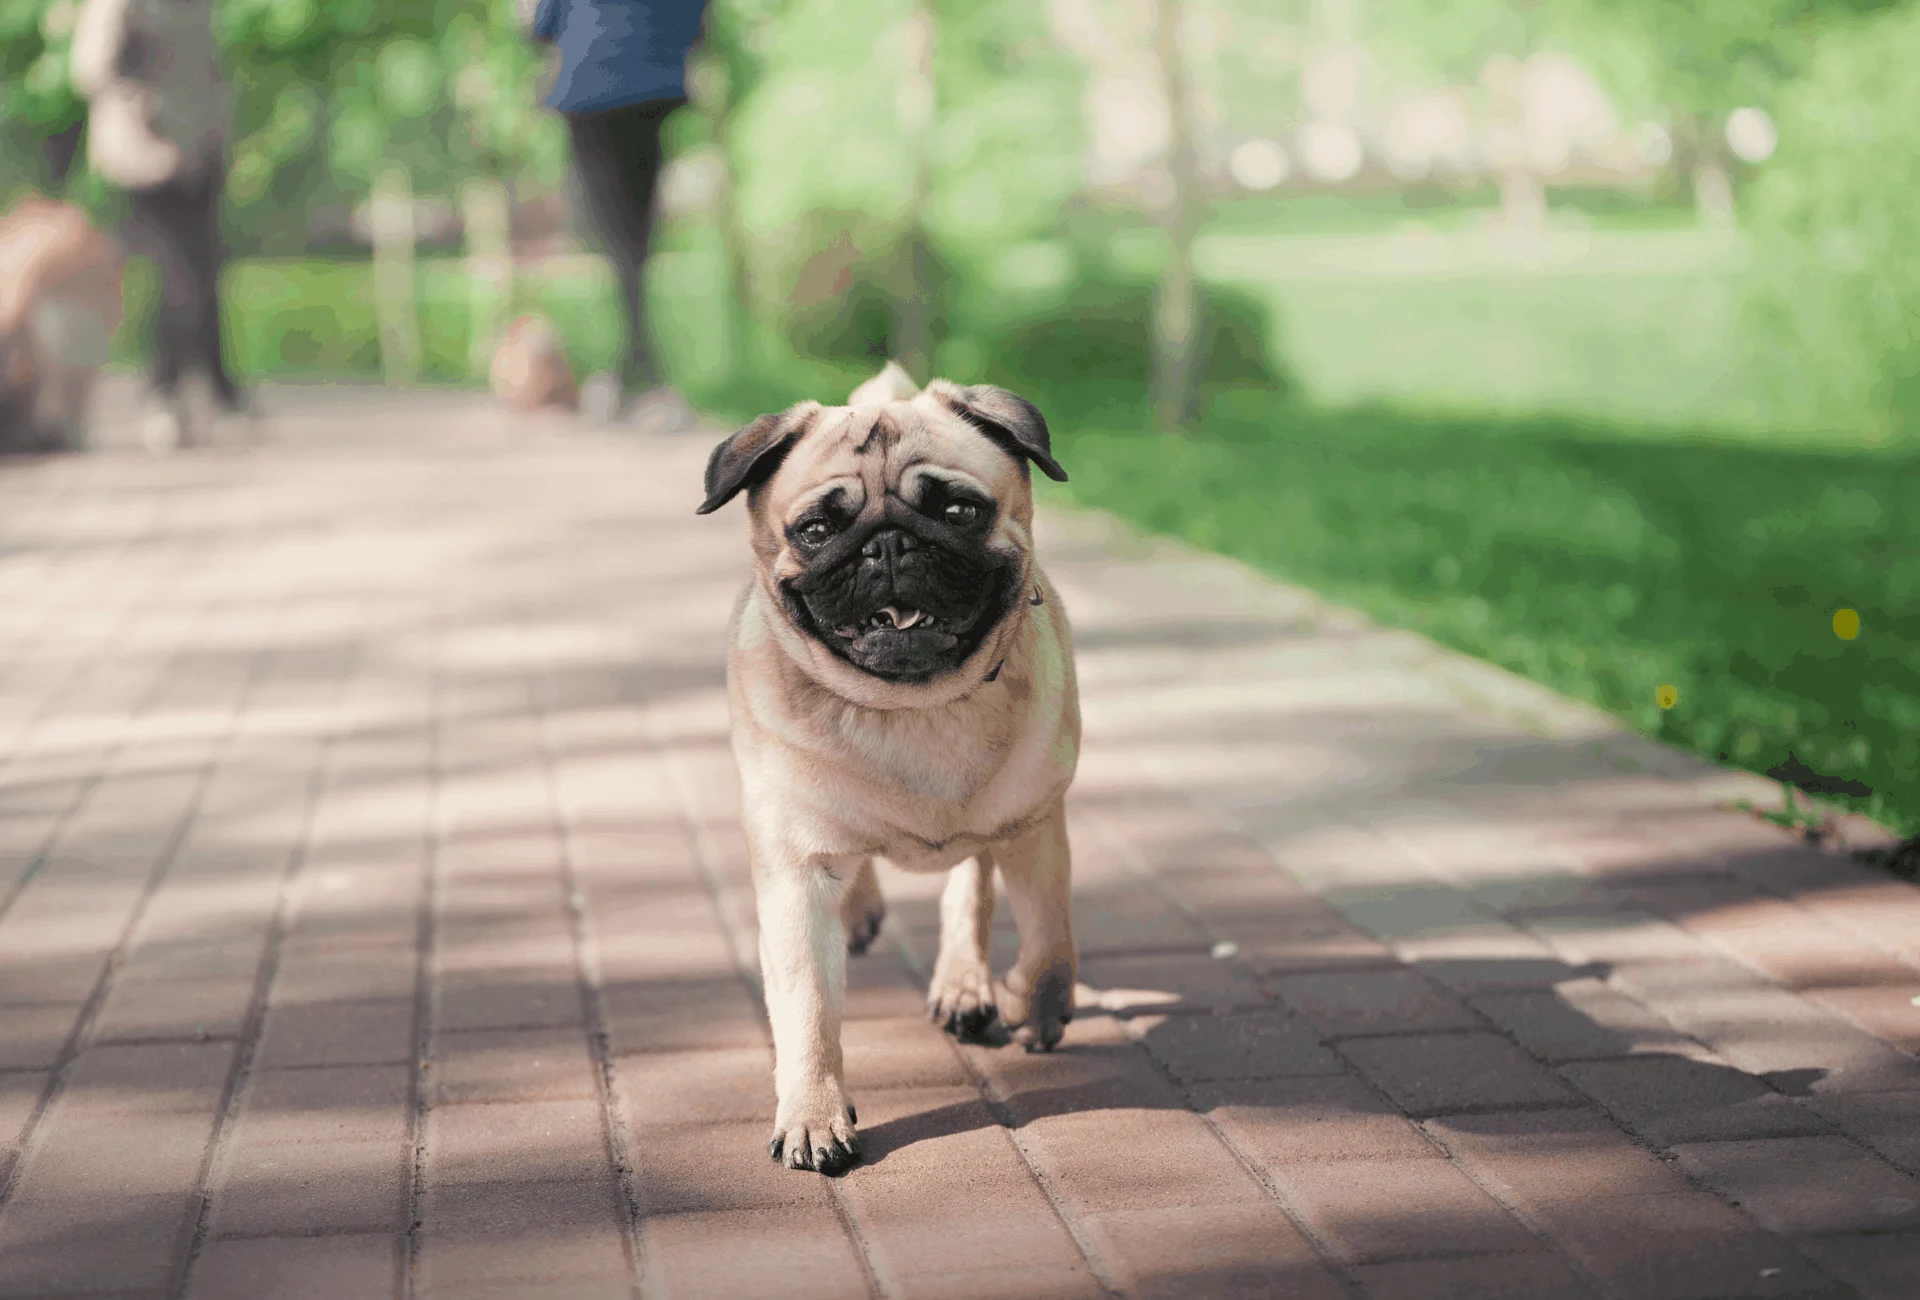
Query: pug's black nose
x,y
891,543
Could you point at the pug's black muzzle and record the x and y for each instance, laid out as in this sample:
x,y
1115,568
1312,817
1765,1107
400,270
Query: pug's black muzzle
x,y
901,595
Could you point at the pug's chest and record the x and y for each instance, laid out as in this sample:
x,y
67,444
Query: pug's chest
x,y
926,807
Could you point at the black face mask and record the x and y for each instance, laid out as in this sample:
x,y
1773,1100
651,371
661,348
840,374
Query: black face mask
x,y
902,595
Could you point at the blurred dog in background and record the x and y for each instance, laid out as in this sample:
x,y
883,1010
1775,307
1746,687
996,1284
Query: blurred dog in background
x,y
60,304
530,368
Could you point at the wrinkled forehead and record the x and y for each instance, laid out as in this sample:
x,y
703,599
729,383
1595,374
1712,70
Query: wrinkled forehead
x,y
869,450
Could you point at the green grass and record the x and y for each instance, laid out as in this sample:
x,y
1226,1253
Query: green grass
x,y
1602,564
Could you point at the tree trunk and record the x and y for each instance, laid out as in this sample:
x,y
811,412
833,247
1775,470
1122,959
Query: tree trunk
x,y
912,341
1523,200
484,215
1175,327
390,213
1712,189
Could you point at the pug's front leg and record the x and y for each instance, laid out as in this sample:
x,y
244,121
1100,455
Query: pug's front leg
x,y
803,966
960,999
1038,868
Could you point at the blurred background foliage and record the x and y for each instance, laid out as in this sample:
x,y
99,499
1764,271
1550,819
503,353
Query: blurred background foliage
x,y
1578,334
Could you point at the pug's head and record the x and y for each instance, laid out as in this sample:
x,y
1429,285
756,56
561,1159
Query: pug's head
x,y
894,533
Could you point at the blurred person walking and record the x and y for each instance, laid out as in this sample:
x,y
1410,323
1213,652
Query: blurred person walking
x,y
622,71
157,128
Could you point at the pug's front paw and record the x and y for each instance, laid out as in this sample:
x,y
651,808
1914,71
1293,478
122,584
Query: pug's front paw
x,y
960,1000
1039,1011
816,1132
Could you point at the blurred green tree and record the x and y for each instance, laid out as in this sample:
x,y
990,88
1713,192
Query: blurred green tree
x,y
1837,256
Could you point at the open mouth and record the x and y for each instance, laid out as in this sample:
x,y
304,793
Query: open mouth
x,y
889,616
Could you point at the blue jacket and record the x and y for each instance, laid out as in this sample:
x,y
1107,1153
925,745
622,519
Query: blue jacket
x,y
618,52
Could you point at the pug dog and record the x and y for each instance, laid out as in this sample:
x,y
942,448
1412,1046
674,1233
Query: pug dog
x,y
901,686
529,369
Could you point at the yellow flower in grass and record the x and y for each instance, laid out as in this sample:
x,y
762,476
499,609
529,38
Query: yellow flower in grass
x,y
1846,624
1666,696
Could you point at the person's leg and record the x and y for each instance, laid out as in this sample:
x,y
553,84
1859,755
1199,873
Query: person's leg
x,y
154,227
202,228
617,159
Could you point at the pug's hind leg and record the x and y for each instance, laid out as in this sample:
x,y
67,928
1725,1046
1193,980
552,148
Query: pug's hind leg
x,y
1038,869
961,995
862,908
803,966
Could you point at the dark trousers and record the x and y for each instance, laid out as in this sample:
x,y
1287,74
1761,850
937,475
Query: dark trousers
x,y
177,225
616,163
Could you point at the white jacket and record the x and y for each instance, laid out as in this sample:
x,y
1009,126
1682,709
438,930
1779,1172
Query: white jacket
x,y
158,104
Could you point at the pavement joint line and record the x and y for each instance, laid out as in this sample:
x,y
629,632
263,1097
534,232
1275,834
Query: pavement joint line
x,y
179,825
103,769
587,971
318,778
433,627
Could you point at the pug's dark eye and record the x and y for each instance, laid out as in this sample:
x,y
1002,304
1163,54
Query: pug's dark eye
x,y
961,513
815,532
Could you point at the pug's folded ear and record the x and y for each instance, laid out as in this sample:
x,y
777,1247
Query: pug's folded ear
x,y
750,457
1009,419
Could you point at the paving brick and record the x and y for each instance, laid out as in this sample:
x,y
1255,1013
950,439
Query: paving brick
x,y
1371,1002
1889,1122
1212,1250
693,1168
1252,1045
190,1010
1432,1073
1131,920
1308,944
905,1053
670,1016
298,1268
512,1065
313,972
20,1095
1887,1011
796,1252
327,1104
1536,1159
1501,1277
1377,1210
82,1156
1135,1160
1801,1185
510,999
1879,1267
545,1233
532,1141
53,1247
944,1189
337,1033
1679,1247
1102,1074
696,1087
1671,1099
1170,981
150,1078
312,1187
1769,1031
37,1033
1289,1121
1576,1021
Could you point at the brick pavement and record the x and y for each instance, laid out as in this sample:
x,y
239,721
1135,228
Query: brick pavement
x,y
374,922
